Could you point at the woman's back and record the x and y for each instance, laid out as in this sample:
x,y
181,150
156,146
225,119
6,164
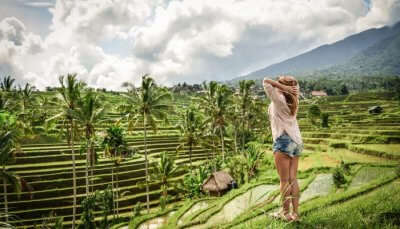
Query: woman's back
x,y
280,115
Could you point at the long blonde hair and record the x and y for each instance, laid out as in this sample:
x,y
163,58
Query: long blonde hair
x,y
291,100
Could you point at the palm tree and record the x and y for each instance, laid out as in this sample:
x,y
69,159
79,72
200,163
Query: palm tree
x,y
26,95
8,150
88,113
7,84
163,171
191,129
245,99
70,95
235,121
207,103
218,112
27,98
114,144
147,106
4,101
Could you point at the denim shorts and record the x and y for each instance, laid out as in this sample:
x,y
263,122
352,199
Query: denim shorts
x,y
285,144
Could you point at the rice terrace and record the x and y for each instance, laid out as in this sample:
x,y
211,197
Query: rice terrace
x,y
93,142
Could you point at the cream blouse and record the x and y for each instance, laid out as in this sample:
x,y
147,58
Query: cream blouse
x,y
279,115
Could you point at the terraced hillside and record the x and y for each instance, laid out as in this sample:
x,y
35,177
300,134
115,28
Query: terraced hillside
x,y
365,142
47,168
368,146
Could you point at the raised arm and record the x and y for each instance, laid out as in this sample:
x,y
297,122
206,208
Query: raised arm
x,y
291,89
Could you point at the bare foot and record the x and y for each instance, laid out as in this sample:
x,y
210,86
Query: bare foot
x,y
285,216
295,216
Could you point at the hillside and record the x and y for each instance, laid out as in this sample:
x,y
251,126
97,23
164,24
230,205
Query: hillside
x,y
383,58
327,56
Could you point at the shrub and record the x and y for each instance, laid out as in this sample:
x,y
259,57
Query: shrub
x,y
237,169
338,177
265,138
325,120
398,170
105,200
345,167
137,209
313,113
87,218
192,182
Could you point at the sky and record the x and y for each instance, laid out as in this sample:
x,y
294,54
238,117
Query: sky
x,y
108,42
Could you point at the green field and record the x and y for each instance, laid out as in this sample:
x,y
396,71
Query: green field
x,y
368,144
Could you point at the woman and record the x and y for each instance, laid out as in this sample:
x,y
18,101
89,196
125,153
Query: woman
x,y
288,143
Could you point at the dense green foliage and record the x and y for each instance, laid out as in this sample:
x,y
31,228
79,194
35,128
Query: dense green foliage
x,y
211,131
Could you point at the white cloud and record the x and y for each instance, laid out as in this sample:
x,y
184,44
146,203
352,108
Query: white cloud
x,y
15,44
186,40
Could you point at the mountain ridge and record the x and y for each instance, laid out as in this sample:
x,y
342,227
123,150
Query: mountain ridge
x,y
326,56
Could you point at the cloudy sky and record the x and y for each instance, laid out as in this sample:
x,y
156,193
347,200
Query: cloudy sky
x,y
108,42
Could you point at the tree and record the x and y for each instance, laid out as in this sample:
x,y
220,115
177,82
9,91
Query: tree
x,y
25,100
88,206
162,172
70,93
114,145
88,113
245,101
325,120
4,101
26,95
191,129
344,90
147,106
219,112
105,200
8,150
207,102
7,84
313,112
235,121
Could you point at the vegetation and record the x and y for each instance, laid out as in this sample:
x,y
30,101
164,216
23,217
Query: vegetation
x,y
313,113
147,106
149,136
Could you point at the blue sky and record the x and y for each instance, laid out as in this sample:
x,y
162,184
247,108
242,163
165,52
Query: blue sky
x,y
108,42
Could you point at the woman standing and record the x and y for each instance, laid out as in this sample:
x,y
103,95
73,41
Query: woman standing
x,y
288,144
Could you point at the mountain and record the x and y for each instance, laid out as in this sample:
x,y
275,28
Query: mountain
x,y
382,58
327,56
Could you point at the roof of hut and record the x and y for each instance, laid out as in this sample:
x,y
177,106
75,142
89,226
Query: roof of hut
x,y
318,93
217,181
375,107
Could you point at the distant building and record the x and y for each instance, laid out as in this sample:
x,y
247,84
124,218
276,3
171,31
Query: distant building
x,y
202,92
318,93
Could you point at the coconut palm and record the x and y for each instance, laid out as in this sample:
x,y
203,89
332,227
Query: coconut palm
x,y
147,106
163,171
25,99
4,101
191,130
7,84
88,113
218,112
114,145
26,95
234,120
244,101
8,150
70,93
207,103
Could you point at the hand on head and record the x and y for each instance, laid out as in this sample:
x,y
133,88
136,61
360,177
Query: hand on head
x,y
292,90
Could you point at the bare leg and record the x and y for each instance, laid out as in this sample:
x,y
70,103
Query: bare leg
x,y
282,163
294,162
